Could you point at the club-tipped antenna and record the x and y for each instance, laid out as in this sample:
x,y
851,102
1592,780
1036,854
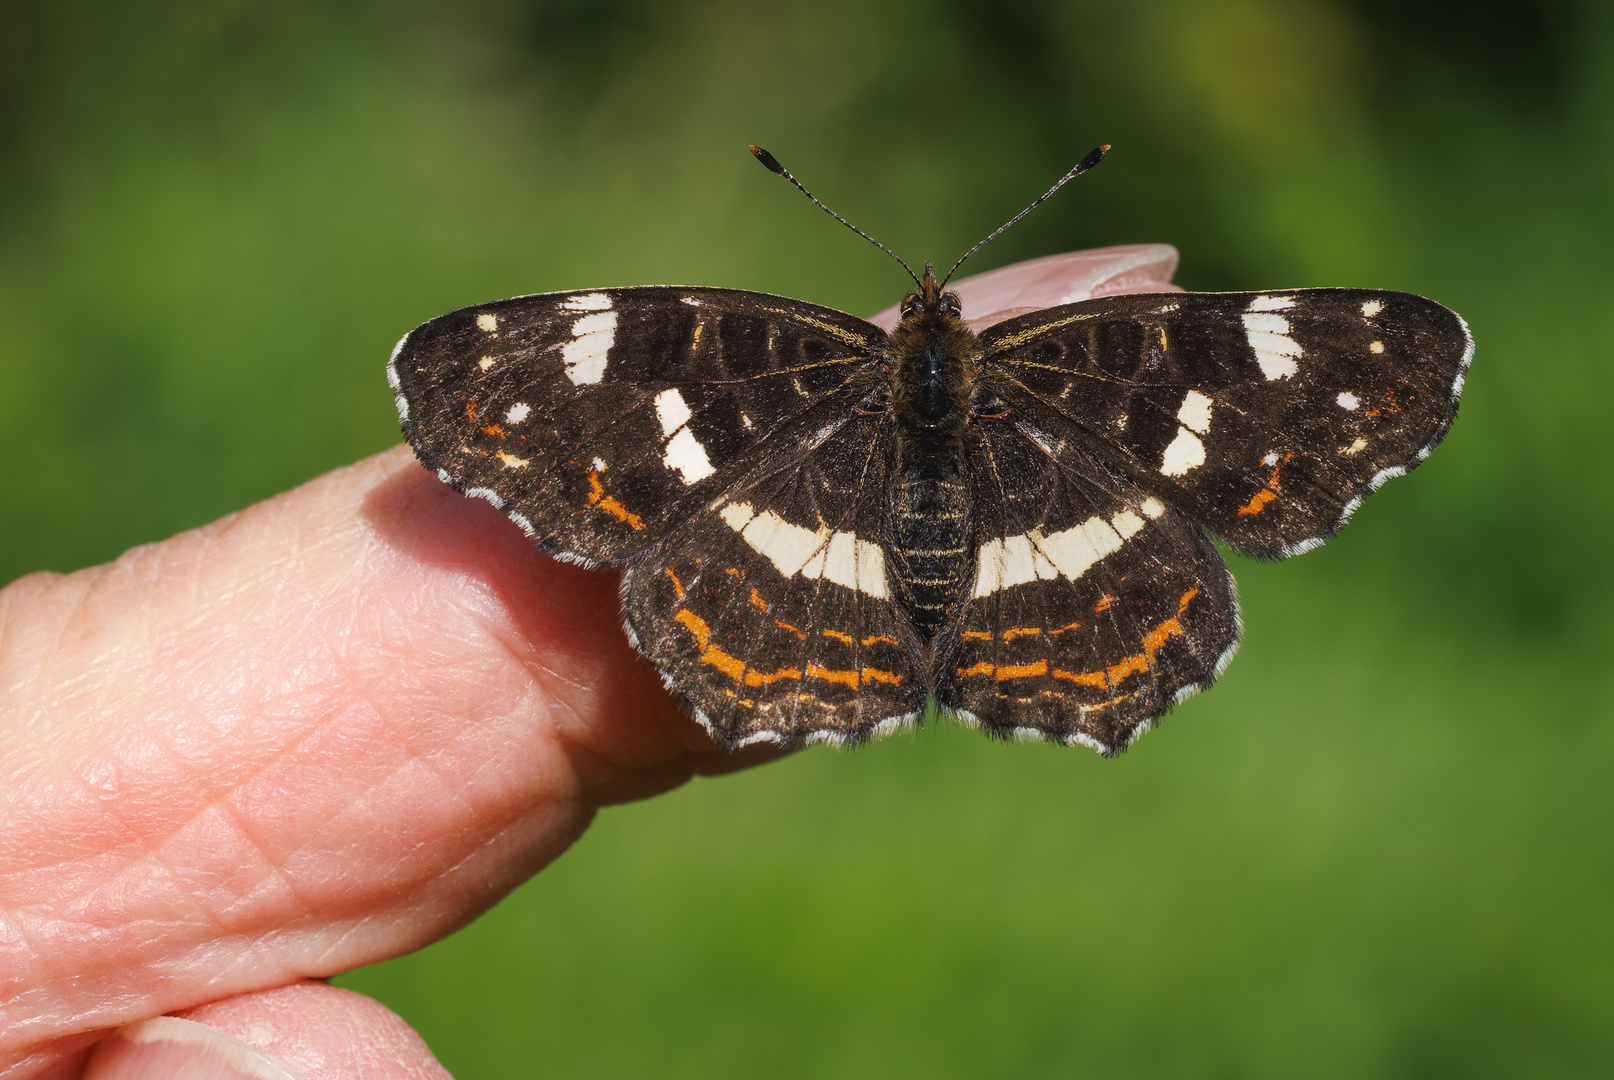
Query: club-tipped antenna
x,y
1094,156
771,163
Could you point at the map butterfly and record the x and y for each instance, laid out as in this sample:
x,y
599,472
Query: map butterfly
x,y
825,527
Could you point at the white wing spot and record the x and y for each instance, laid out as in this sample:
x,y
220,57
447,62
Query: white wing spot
x,y
594,301
1127,524
1271,303
1015,560
485,363
487,321
840,557
1372,308
1356,447
1270,460
1348,401
1267,323
683,453
1075,549
673,411
687,456
1019,562
587,352
600,465
518,412
690,300
510,461
846,560
735,515
1268,334
1376,348
1195,413
787,546
1185,452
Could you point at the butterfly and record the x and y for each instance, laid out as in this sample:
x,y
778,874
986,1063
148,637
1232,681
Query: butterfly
x,y
825,528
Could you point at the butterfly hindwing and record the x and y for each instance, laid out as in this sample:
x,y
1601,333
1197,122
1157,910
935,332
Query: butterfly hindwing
x,y
770,611
1095,606
1265,416
599,420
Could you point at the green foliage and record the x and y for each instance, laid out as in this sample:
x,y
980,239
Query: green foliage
x,y
1379,848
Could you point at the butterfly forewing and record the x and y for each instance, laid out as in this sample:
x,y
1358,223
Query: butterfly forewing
x,y
599,420
1095,606
770,612
1265,416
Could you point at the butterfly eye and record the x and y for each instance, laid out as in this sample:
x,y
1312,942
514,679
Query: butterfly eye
x,y
910,304
950,304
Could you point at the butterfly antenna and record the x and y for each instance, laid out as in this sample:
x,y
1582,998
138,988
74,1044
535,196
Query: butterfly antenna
x,y
1095,156
771,163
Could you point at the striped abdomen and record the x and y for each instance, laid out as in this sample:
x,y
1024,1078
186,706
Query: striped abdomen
x,y
931,536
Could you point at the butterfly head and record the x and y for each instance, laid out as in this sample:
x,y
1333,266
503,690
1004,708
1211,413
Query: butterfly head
x,y
930,298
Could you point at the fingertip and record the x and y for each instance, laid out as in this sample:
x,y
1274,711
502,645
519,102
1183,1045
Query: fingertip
x,y
170,1048
310,1030
1058,279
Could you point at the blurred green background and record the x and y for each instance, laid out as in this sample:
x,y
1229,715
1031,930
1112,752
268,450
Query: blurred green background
x,y
1381,847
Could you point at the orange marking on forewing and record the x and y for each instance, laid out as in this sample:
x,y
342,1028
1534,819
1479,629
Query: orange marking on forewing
x,y
757,601
976,635
598,497
494,429
1062,629
1258,501
1104,602
879,639
678,586
814,671
845,639
1182,605
983,668
786,626
1021,631
1021,671
470,410
876,675
731,572
757,678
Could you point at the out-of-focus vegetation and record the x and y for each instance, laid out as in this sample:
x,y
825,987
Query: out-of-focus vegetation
x,y
1381,847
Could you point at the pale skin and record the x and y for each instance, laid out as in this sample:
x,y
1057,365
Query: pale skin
x,y
321,732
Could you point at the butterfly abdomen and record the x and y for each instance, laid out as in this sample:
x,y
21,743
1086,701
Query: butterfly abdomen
x,y
930,500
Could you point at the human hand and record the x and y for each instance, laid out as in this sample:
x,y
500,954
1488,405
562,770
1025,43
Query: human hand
x,y
316,734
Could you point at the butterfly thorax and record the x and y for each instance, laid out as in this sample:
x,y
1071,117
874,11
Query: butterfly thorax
x,y
933,358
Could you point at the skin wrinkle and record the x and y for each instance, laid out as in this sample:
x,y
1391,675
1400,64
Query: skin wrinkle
x,y
264,767
202,808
